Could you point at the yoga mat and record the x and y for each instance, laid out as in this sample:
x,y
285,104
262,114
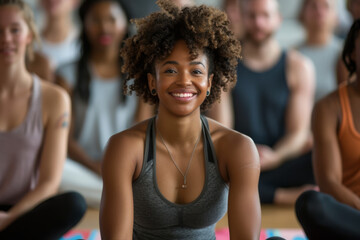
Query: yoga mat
x,y
221,234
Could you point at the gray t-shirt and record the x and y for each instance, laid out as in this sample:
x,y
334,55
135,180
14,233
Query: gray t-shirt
x,y
325,59
104,115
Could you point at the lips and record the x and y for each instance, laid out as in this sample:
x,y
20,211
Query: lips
x,y
105,39
7,50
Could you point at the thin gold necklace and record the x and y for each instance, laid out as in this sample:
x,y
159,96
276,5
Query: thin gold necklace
x,y
184,185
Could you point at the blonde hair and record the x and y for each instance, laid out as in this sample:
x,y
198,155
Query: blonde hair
x,y
29,19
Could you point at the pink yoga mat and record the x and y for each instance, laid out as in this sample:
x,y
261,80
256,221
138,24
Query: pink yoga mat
x,y
221,234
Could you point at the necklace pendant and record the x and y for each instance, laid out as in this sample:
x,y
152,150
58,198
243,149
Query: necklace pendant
x,y
184,186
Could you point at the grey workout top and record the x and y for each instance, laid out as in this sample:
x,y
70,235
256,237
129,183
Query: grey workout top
x,y
157,218
20,152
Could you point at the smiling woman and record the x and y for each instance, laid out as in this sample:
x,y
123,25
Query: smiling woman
x,y
175,175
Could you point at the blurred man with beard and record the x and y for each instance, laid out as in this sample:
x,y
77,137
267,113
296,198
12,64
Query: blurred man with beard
x,y
272,103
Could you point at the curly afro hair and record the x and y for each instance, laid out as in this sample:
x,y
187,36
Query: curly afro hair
x,y
201,27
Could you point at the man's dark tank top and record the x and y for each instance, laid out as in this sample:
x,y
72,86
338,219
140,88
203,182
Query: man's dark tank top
x,y
157,218
260,100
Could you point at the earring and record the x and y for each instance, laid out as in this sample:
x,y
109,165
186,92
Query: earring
x,y
153,92
207,93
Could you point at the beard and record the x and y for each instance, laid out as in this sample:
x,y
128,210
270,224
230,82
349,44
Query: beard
x,y
251,37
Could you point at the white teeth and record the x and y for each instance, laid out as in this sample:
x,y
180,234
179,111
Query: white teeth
x,y
183,95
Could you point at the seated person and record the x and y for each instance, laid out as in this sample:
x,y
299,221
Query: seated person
x,y
175,175
59,35
334,212
34,126
100,108
321,46
271,103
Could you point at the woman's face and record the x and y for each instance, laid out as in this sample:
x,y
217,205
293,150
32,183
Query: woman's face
x,y
105,25
14,34
181,83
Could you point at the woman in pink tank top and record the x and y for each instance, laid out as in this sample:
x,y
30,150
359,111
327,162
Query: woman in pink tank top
x,y
334,212
34,118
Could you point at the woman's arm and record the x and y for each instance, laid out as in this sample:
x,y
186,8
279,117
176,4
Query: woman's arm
x,y
119,165
326,155
243,169
56,115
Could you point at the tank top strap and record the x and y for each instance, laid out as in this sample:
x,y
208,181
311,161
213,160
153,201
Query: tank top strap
x,y
34,116
346,115
150,141
208,144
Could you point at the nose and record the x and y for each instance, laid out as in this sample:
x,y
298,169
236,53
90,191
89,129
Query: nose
x,y
184,79
259,21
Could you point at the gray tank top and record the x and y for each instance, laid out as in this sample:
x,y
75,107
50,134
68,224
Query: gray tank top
x,y
157,218
20,152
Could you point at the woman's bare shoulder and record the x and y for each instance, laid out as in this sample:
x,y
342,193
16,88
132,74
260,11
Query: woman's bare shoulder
x,y
132,138
223,135
56,103
231,145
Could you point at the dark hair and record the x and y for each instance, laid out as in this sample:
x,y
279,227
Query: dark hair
x,y
201,27
83,78
349,47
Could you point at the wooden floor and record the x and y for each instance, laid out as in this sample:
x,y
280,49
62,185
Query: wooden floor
x,y
272,217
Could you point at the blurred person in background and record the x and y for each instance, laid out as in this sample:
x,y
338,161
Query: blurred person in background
x,y
272,103
34,126
59,35
100,107
321,46
334,212
233,11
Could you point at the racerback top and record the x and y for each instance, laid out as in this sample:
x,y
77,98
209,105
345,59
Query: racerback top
x,y
157,218
20,152
349,142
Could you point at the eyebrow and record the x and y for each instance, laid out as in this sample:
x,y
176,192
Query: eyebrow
x,y
176,63
15,24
